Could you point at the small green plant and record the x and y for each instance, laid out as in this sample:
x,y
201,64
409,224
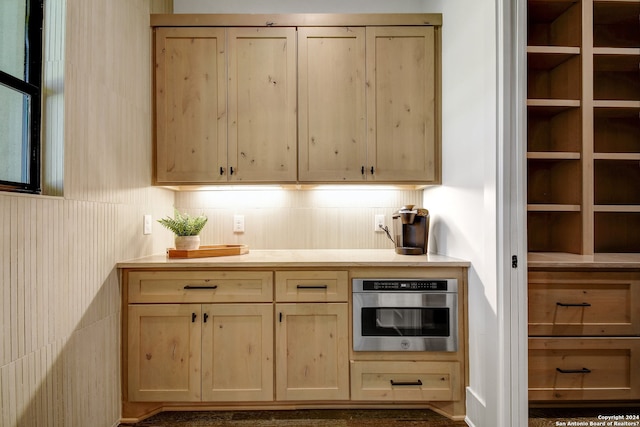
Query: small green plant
x,y
184,224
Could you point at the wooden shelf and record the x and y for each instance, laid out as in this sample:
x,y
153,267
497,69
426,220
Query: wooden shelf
x,y
615,24
554,155
538,207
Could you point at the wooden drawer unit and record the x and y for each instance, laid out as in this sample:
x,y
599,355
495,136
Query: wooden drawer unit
x,y
405,381
312,286
200,286
584,304
572,369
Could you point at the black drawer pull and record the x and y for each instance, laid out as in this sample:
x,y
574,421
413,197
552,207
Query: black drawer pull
x,y
193,317
205,317
405,383
574,371
580,304
200,287
312,286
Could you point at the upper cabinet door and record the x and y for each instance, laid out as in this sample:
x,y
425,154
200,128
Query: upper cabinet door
x,y
262,104
332,112
191,95
401,105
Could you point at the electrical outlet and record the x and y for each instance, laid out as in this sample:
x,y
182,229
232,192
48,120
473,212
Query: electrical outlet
x,y
379,223
238,223
146,224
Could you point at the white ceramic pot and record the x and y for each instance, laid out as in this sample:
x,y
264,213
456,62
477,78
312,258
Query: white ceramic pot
x,y
187,242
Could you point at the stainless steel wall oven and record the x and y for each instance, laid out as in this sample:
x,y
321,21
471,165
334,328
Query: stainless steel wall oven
x,y
405,314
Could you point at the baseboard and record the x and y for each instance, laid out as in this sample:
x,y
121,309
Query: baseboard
x,y
476,409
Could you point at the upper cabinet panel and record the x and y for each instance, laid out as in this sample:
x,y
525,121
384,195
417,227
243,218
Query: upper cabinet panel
x,y
332,113
262,104
191,96
401,105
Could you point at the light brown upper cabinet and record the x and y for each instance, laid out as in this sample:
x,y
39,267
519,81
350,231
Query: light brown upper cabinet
x,y
367,104
262,104
213,129
308,98
191,105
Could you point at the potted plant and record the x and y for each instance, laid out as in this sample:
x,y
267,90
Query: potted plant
x,y
186,228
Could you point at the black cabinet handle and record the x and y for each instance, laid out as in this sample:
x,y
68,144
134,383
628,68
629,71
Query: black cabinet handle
x,y
193,317
372,170
188,287
280,317
312,286
405,383
362,170
205,317
581,304
221,170
231,170
574,371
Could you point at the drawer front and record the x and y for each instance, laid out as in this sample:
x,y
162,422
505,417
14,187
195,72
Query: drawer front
x,y
312,286
584,369
405,381
584,304
200,286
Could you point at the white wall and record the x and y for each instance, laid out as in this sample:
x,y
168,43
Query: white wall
x,y
464,208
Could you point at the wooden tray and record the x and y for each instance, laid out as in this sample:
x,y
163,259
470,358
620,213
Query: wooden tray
x,y
208,251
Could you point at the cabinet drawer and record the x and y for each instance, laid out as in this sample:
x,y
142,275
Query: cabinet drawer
x,y
200,286
584,369
405,381
312,286
584,304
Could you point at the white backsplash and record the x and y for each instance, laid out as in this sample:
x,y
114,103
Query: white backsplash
x,y
278,218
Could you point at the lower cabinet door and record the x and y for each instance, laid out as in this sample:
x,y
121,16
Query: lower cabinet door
x,y
405,381
568,369
164,352
312,359
237,352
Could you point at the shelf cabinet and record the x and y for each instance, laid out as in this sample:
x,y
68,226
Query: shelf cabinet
x,y
583,113
368,104
225,105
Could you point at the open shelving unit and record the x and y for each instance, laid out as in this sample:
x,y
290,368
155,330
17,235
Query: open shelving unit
x,y
583,112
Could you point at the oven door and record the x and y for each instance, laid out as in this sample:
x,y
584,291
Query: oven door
x,y
412,321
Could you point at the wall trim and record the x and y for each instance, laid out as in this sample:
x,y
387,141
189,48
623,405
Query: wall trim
x,y
511,211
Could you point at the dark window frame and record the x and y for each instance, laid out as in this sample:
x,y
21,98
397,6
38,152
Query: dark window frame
x,y
31,85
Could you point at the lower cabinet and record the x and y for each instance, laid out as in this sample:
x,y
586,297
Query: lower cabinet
x,y
569,369
404,381
312,351
193,352
584,335
222,339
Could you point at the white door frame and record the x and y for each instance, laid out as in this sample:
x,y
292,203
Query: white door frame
x,y
511,212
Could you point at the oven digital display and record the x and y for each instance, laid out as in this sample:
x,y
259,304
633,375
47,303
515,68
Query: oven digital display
x,y
404,285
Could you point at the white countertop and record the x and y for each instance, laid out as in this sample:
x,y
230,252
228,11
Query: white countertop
x,y
301,258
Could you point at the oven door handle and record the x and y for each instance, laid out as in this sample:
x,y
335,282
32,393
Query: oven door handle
x,y
405,383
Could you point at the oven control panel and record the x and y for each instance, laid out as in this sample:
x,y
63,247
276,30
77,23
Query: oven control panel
x,y
405,285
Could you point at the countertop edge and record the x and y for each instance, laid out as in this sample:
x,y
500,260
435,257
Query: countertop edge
x,y
307,258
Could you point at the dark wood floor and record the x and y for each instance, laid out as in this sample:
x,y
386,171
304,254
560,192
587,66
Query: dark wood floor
x,y
540,417
302,418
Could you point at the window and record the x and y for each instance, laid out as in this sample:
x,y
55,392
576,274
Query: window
x,y
20,94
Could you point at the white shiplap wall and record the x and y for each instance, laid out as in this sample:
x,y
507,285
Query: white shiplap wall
x,y
298,219
59,290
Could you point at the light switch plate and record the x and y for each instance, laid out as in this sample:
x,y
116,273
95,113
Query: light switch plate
x,y
146,224
238,223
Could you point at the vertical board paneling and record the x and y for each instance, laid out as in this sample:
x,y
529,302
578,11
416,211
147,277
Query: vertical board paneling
x,y
59,295
283,219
